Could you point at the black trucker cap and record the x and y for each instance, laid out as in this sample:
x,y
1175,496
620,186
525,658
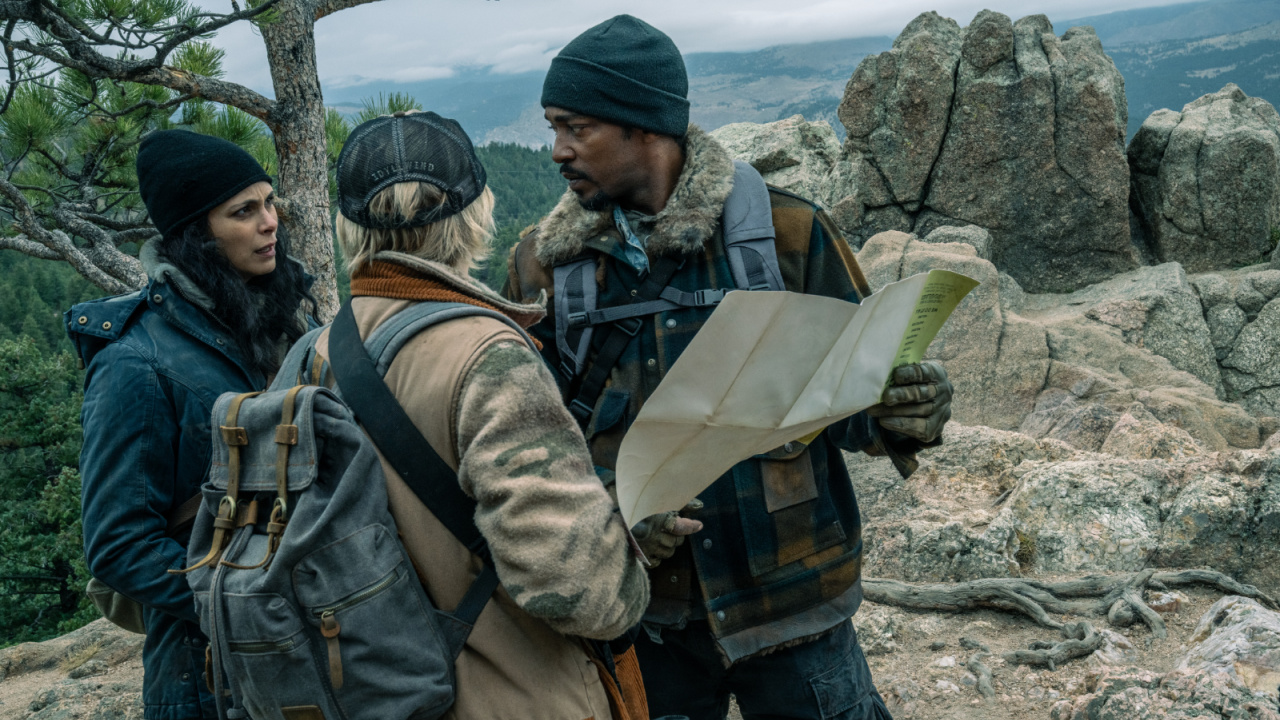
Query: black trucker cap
x,y
407,147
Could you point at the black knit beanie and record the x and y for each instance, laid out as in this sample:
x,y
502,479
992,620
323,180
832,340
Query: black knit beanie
x,y
183,175
625,71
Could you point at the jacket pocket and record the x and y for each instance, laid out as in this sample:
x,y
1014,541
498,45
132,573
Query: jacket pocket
x,y
787,477
786,514
378,642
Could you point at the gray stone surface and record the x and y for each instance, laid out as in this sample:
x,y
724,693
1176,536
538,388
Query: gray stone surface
x,y
1225,323
1137,434
1229,672
793,154
997,361
1000,125
991,503
969,234
1241,639
1139,337
1081,515
1251,372
1206,181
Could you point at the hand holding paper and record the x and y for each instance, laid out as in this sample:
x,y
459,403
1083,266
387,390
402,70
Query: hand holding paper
x,y
768,368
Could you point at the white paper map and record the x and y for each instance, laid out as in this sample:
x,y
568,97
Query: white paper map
x,y
768,368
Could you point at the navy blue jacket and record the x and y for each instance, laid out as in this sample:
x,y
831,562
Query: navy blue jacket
x,y
156,364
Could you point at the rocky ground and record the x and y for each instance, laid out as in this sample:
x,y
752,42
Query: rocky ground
x,y
94,673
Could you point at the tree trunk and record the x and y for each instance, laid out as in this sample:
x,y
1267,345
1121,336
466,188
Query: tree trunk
x,y
297,122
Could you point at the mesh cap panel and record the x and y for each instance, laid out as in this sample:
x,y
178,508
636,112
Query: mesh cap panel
x,y
414,147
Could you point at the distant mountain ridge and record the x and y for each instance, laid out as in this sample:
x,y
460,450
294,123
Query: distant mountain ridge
x,y
1169,56
1178,22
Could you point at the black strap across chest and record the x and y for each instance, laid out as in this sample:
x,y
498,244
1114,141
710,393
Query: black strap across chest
x,y
615,339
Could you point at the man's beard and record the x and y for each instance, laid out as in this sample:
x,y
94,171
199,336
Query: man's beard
x,y
599,202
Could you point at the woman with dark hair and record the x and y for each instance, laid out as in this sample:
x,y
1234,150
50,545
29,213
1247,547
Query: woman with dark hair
x,y
223,304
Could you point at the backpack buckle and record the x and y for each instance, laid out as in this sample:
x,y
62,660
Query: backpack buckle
x,y
630,325
568,369
577,319
702,298
580,411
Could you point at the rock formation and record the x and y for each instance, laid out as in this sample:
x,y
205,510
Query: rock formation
x,y
1206,181
1242,310
793,154
992,503
92,672
1001,125
1071,366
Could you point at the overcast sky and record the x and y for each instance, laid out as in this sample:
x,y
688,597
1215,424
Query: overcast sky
x,y
410,40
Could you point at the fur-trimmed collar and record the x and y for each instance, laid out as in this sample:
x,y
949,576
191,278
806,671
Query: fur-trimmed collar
x,y
161,270
684,225
524,315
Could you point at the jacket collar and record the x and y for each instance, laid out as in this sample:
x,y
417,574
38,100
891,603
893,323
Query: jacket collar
x,y
450,279
161,270
689,219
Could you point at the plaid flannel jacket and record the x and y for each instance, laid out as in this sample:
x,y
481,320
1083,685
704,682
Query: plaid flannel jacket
x,y
782,535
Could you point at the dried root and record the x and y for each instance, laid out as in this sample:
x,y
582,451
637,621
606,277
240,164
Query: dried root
x,y
1081,639
983,673
1116,597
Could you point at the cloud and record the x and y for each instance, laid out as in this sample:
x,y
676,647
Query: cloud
x,y
409,40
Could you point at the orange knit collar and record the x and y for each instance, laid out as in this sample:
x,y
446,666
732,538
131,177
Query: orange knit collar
x,y
393,280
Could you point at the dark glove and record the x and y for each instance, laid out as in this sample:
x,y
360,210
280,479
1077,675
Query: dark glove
x,y
917,402
659,535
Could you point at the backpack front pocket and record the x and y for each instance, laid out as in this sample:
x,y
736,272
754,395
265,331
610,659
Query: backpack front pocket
x,y
367,607
271,655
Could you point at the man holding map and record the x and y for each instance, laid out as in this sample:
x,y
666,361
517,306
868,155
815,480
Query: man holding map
x,y
635,257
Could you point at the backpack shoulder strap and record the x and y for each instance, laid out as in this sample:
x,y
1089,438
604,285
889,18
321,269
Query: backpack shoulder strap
x,y
575,295
296,368
386,340
749,238
402,444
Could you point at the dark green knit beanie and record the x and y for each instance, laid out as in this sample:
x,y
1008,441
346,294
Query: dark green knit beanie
x,y
625,71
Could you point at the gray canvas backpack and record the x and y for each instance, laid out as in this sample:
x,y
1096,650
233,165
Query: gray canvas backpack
x,y
311,604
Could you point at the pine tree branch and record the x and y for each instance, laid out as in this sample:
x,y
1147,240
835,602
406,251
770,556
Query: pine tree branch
x,y
59,243
325,8
27,246
74,47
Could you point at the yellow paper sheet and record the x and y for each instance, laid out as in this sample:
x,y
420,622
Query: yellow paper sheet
x,y
765,369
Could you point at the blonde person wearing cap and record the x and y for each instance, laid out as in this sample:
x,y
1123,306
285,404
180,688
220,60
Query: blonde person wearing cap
x,y
415,216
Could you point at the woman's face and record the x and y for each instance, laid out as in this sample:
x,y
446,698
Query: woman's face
x,y
245,230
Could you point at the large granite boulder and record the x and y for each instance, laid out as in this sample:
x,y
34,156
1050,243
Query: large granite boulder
x,y
993,503
1206,181
796,155
1069,366
1001,125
